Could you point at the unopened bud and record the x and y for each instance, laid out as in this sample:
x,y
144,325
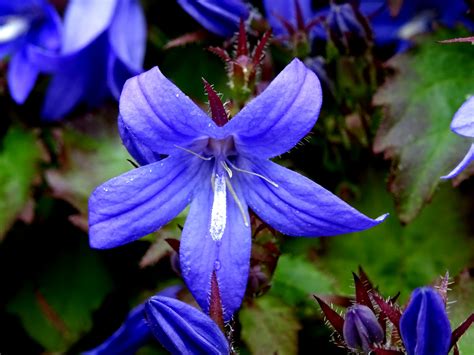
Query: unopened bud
x,y
361,328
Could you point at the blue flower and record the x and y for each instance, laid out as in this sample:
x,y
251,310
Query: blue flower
x,y
463,124
361,328
179,327
221,17
26,26
183,329
103,45
414,17
222,170
424,325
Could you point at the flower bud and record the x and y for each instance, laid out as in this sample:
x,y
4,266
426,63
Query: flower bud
x,y
183,329
361,328
424,325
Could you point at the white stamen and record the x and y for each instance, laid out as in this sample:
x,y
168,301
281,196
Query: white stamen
x,y
255,174
193,153
12,27
237,201
219,208
227,169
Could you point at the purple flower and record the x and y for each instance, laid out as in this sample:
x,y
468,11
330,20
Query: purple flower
x,y
183,329
103,46
424,325
221,17
26,26
463,124
361,328
222,170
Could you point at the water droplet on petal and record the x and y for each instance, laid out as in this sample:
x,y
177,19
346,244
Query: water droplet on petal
x,y
217,265
177,95
106,189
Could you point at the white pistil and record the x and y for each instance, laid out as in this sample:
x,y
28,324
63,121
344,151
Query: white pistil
x,y
254,174
12,27
237,201
193,153
219,208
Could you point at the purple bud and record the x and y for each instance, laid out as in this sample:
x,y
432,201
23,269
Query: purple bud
x,y
183,329
424,325
361,328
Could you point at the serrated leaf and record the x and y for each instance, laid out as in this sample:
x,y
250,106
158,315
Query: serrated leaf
x,y
56,308
431,84
297,279
463,295
397,257
92,153
20,155
269,327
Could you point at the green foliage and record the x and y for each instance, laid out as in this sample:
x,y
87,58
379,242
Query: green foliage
x,y
20,155
401,258
463,296
91,153
296,279
430,85
56,308
269,327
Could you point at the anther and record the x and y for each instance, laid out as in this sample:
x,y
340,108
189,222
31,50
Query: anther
x,y
254,174
193,153
226,168
237,201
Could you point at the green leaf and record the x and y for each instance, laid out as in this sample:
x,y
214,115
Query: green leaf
x,y
397,257
297,279
56,308
431,84
20,155
463,295
269,327
92,152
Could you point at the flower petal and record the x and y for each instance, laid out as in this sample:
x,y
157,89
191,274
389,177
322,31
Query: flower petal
x,y
298,206
463,120
284,9
424,325
117,74
229,257
141,201
130,337
160,115
84,21
218,16
127,34
183,329
139,152
468,158
22,76
281,116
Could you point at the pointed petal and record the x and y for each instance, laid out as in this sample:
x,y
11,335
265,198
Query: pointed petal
x,y
468,158
424,325
130,337
141,201
281,116
218,16
463,120
84,21
139,152
127,34
56,103
160,115
183,329
117,74
298,206
229,257
22,76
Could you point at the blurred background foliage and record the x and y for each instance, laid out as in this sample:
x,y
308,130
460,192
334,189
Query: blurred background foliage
x,y
381,143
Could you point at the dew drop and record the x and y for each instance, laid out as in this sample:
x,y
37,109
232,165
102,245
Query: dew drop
x,y
151,170
106,189
217,265
177,95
